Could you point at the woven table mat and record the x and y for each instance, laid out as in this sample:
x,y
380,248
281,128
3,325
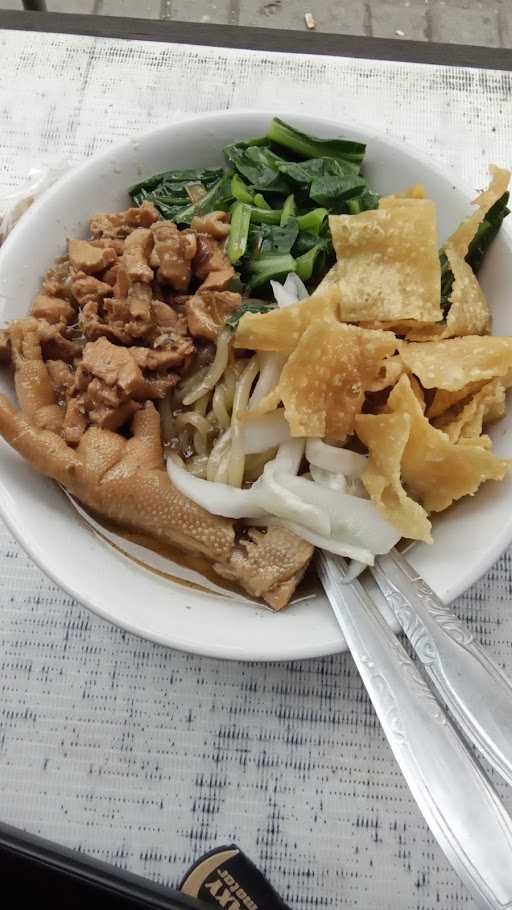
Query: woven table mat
x,y
147,757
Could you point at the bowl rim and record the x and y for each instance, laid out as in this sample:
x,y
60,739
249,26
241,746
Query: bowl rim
x,y
300,651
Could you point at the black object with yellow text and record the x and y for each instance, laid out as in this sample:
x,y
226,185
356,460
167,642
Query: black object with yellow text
x,y
227,878
38,873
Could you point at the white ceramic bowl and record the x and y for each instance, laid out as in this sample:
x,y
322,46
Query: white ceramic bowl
x,y
468,538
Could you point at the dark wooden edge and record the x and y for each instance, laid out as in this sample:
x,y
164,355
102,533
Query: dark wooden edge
x,y
261,39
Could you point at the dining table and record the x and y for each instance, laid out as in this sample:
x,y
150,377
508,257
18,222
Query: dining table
x,y
147,757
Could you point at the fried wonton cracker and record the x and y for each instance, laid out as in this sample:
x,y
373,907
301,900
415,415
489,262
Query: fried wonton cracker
x,y
484,407
409,456
415,191
462,237
388,262
444,401
281,329
468,312
323,382
386,436
453,363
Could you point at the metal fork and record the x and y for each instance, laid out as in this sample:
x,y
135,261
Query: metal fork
x,y
459,804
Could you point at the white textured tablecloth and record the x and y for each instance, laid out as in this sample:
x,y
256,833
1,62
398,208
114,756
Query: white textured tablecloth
x,y
148,757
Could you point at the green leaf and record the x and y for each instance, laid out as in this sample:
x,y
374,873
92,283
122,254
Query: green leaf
x,y
446,282
313,220
278,240
260,202
238,231
245,144
306,263
333,191
288,210
362,203
487,231
265,216
218,198
265,268
240,190
304,172
312,147
250,306
208,176
259,166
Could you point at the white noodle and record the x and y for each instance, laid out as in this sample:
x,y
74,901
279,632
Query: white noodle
x,y
197,421
271,365
201,427
264,432
230,379
242,393
221,447
188,384
214,372
197,465
254,464
219,405
201,405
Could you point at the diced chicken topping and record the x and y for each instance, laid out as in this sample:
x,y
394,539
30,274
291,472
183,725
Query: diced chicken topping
x,y
85,257
110,384
218,280
216,224
109,242
86,289
172,255
56,282
207,311
211,265
209,257
53,309
120,224
57,342
137,250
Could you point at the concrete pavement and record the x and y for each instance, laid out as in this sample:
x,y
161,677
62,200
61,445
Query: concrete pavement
x,y
456,21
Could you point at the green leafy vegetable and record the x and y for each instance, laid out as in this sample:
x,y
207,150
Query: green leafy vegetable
x,y
312,147
260,202
218,198
260,166
304,172
446,282
305,264
362,203
312,221
265,216
487,231
334,191
240,190
239,232
168,191
250,306
278,240
288,209
267,267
